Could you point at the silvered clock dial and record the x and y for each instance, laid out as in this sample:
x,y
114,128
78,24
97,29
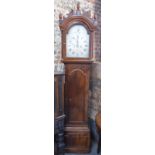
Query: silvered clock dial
x,y
77,42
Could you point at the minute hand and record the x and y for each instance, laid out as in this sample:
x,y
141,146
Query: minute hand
x,y
77,42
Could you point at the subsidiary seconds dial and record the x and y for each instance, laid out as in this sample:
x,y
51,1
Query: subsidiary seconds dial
x,y
77,42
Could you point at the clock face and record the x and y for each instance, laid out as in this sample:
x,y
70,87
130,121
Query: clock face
x,y
77,42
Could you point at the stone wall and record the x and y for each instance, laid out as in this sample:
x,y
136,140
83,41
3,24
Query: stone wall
x,y
64,7
98,31
95,90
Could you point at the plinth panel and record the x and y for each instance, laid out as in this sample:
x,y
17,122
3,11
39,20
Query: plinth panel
x,y
77,140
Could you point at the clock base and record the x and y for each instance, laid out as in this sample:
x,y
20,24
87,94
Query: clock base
x,y
77,139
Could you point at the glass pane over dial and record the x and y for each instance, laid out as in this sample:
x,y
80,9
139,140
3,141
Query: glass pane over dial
x,y
77,42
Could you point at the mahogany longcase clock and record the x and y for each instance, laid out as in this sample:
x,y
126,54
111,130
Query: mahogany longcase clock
x,y
77,31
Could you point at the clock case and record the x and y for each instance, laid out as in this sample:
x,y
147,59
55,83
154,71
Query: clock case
x,y
77,75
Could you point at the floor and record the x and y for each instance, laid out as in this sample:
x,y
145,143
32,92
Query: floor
x,y
93,151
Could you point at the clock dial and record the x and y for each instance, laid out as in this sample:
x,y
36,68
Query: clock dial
x,y
77,42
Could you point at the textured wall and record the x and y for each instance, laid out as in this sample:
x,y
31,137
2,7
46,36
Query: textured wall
x,y
64,7
95,90
98,31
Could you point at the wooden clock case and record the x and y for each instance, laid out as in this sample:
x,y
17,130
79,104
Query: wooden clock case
x,y
77,73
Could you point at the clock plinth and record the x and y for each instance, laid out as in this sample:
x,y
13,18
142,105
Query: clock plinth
x,y
77,54
77,139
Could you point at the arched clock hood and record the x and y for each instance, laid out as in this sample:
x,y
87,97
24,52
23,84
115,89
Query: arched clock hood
x,y
77,17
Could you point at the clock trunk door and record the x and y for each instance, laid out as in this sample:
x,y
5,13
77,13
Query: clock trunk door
x,y
76,91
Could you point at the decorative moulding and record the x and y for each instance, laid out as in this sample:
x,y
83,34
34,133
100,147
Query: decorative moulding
x,y
89,15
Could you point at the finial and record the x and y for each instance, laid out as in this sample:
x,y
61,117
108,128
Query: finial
x,y
71,12
94,19
78,6
94,16
60,16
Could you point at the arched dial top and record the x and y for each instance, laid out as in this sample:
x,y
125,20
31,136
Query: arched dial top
x,y
77,42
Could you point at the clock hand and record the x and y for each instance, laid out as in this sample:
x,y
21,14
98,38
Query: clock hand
x,y
77,41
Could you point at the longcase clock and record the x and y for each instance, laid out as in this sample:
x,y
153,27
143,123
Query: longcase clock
x,y
77,31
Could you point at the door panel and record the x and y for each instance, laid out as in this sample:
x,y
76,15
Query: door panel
x,y
76,91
